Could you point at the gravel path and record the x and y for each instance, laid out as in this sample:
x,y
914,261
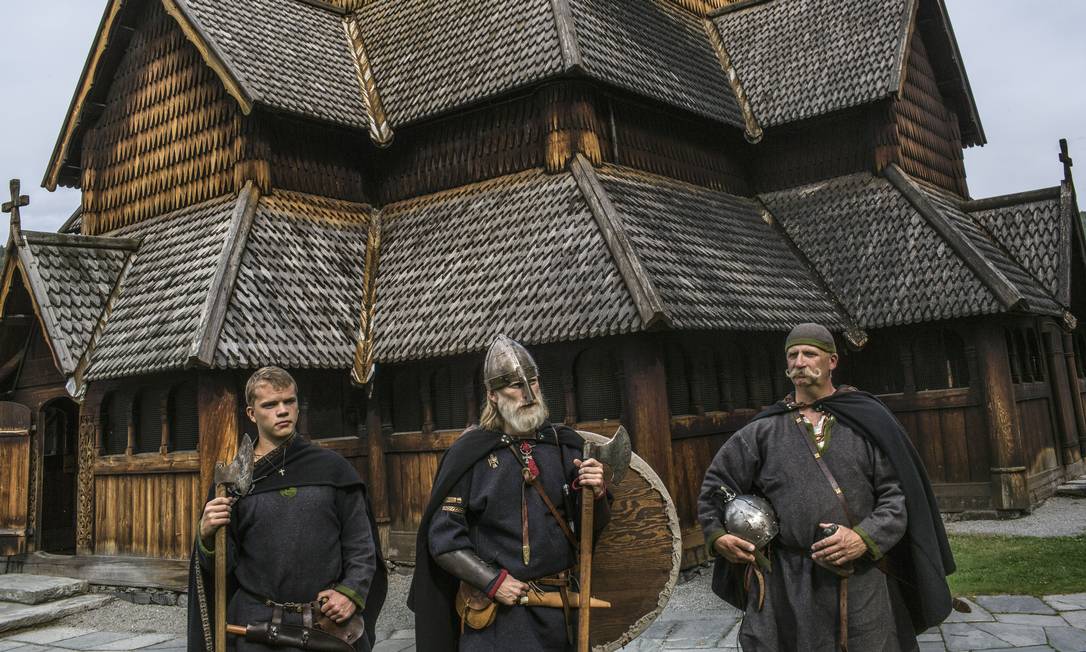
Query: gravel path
x,y
1057,517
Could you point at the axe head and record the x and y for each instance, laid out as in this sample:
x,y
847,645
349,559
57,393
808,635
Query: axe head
x,y
615,454
238,474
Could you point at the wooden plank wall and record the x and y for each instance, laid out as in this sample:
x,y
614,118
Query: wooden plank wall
x,y
146,514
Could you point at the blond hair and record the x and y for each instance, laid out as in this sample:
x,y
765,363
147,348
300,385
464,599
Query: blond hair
x,y
277,377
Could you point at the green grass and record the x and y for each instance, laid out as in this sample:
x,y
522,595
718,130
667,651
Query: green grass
x,y
1018,565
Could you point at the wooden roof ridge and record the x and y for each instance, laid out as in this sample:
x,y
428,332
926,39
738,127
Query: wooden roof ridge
x,y
905,36
566,25
731,7
221,289
997,283
363,368
647,299
855,334
106,38
78,384
752,130
1011,199
953,58
379,128
73,240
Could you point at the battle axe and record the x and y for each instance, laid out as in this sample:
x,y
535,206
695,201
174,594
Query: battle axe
x,y
234,478
614,455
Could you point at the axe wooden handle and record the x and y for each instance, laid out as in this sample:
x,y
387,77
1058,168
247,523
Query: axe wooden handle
x,y
588,504
220,581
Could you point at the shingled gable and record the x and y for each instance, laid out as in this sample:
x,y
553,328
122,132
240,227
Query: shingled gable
x,y
71,280
860,56
896,251
199,292
599,252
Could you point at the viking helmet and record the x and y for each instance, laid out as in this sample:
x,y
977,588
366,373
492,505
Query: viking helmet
x,y
508,362
750,518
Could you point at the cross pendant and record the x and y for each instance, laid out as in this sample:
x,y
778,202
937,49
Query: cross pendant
x,y
282,471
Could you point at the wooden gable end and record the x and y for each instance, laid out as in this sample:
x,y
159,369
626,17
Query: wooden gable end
x,y
927,142
169,134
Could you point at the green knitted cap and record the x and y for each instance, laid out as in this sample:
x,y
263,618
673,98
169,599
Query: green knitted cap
x,y
811,334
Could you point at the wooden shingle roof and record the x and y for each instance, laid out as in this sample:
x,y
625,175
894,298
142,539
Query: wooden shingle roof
x,y
896,251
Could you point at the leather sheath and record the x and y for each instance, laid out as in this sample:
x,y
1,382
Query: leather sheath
x,y
279,635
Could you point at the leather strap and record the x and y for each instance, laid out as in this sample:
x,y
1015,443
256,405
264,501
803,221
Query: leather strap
x,y
546,501
837,491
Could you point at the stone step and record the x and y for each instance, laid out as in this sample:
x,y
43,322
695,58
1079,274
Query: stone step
x,y
1072,489
14,615
36,589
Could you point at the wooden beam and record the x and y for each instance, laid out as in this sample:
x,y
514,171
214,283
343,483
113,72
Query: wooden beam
x,y
218,401
650,306
1001,201
567,35
213,313
377,470
647,416
1007,461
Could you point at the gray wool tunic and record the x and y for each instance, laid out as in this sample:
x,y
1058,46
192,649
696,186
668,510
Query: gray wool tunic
x,y
291,544
769,457
483,513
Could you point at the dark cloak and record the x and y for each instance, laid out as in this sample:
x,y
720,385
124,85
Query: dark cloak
x,y
922,559
432,589
309,465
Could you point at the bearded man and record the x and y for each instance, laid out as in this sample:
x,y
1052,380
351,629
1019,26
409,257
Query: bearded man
x,y
861,557
500,523
301,542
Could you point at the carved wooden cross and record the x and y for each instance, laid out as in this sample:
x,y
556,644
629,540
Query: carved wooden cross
x,y
1065,158
12,206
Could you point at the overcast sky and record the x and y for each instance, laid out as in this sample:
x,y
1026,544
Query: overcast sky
x,y
1026,63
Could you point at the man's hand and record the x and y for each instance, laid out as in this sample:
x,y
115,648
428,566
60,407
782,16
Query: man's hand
x,y
840,548
511,590
335,605
734,549
590,474
216,514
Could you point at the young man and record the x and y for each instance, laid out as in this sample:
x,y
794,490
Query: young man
x,y
502,521
829,460
302,534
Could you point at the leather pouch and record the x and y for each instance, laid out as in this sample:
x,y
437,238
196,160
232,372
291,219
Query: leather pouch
x,y
475,609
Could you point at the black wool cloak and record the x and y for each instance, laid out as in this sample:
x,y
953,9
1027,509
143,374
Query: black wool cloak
x,y
437,628
922,559
308,466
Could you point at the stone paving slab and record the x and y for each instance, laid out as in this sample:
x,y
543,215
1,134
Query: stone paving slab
x,y
1066,639
36,589
47,635
1016,604
1069,602
14,615
1032,619
1015,635
978,614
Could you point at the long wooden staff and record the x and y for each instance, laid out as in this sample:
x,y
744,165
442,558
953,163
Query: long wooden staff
x,y
615,454
220,580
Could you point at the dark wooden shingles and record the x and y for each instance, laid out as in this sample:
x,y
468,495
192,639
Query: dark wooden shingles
x,y
72,277
155,316
1035,234
291,55
657,50
520,255
882,258
798,59
298,293
714,261
431,57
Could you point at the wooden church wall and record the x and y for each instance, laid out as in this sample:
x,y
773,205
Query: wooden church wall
x,y
167,136
927,144
307,157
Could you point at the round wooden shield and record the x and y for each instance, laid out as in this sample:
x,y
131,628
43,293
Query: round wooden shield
x,y
635,564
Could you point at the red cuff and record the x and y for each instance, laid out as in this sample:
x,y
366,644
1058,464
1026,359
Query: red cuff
x,y
497,584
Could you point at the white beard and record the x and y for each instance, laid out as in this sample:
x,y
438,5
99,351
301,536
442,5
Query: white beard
x,y
523,419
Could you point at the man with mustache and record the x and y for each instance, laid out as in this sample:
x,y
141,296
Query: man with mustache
x,y
861,557
502,522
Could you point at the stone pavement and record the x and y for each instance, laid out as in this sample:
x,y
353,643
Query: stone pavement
x,y
997,624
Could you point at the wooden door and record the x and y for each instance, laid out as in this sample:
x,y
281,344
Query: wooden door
x,y
59,422
14,477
